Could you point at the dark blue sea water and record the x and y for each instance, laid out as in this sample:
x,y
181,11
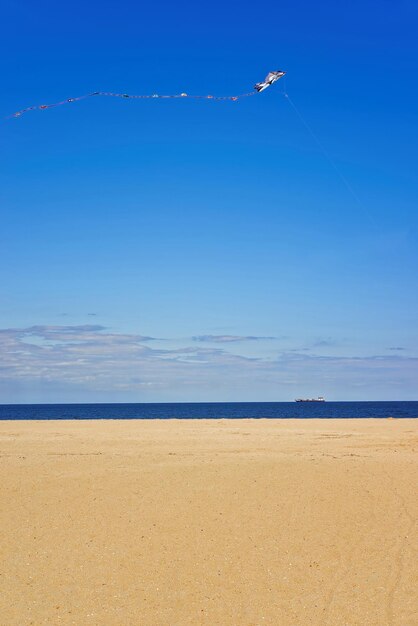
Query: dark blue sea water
x,y
208,410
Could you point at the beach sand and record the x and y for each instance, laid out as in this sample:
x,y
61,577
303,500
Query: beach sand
x,y
223,522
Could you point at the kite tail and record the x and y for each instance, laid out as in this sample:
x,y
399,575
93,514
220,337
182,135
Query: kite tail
x,y
129,96
271,78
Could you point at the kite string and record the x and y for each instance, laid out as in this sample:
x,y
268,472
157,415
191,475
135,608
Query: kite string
x,y
327,155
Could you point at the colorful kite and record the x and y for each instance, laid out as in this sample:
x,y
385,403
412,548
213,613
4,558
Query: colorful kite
x,y
269,80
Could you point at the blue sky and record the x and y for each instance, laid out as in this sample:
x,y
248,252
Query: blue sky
x,y
201,250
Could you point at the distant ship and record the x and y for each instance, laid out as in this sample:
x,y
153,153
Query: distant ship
x,y
318,399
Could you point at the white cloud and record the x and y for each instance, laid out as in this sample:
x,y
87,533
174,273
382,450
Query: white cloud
x,y
229,338
90,359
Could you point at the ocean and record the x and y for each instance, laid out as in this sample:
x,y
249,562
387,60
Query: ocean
x,y
209,410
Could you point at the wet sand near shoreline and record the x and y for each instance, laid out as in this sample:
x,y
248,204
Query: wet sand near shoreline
x,y
209,522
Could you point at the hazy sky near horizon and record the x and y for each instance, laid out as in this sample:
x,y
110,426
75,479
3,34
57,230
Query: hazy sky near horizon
x,y
200,250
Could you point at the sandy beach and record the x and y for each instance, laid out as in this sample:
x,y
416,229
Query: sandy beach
x,y
238,522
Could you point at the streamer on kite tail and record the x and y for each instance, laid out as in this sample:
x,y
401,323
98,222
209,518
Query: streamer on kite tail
x,y
271,78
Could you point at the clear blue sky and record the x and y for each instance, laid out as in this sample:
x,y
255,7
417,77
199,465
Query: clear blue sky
x,y
201,250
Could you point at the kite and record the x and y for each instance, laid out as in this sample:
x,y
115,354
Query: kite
x,y
271,78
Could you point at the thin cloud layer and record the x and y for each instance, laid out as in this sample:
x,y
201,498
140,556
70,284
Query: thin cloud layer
x,y
93,333
228,338
89,359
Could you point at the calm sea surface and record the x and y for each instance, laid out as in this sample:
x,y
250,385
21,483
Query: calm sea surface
x,y
208,410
